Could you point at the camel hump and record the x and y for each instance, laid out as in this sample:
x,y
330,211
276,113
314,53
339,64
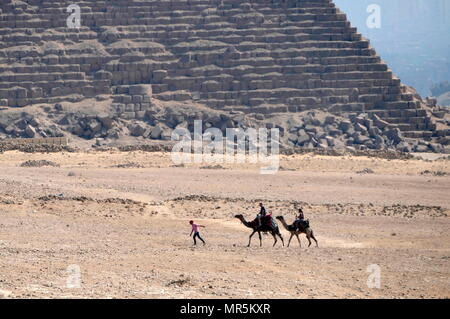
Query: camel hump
x,y
304,223
266,220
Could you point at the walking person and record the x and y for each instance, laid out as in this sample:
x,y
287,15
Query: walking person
x,y
196,231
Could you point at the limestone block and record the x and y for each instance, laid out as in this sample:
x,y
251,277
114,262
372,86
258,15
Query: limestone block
x,y
159,75
210,86
140,90
36,92
21,93
22,102
146,98
126,99
137,98
128,115
140,115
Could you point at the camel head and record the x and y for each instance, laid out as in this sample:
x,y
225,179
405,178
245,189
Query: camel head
x,y
241,218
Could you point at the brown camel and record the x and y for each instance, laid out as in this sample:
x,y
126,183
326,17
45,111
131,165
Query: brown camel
x,y
297,231
272,228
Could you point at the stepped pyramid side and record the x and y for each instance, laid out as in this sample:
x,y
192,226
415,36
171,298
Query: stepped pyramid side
x,y
262,56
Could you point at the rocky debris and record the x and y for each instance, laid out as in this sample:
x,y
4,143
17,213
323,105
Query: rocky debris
x,y
365,171
137,129
146,148
38,163
316,129
212,167
34,148
84,199
286,169
30,131
406,211
309,129
180,282
435,173
15,124
10,200
384,154
129,165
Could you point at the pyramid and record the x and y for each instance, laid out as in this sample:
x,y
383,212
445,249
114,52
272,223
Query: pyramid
x,y
264,57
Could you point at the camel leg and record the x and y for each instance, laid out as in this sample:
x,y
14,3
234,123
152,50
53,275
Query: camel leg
x,y
309,239
289,242
281,237
260,239
250,238
298,238
312,236
275,238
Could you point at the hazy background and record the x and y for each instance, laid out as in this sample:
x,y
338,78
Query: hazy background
x,y
414,38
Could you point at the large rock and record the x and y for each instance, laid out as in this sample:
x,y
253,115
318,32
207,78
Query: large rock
x,y
374,131
345,125
421,148
437,148
94,126
137,129
156,132
30,131
329,120
330,141
335,132
106,120
293,138
359,138
379,141
394,135
377,121
360,128
403,147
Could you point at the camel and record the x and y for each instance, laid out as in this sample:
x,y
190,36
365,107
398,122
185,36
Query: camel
x,y
272,229
295,232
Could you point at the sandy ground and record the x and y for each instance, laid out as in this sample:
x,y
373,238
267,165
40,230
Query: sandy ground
x,y
122,220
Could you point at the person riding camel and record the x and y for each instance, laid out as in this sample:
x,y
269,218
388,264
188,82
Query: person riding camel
x,y
300,219
262,213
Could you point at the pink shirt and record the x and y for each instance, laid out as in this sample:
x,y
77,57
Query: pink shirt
x,y
195,228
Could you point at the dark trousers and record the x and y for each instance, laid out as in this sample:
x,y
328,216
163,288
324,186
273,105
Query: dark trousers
x,y
197,234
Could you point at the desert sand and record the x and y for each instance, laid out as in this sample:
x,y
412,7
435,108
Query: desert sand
x,y
121,218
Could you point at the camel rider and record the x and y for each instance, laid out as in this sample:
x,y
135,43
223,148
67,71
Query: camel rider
x,y
300,219
262,213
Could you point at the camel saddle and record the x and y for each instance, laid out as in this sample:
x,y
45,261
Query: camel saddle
x,y
265,220
304,223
